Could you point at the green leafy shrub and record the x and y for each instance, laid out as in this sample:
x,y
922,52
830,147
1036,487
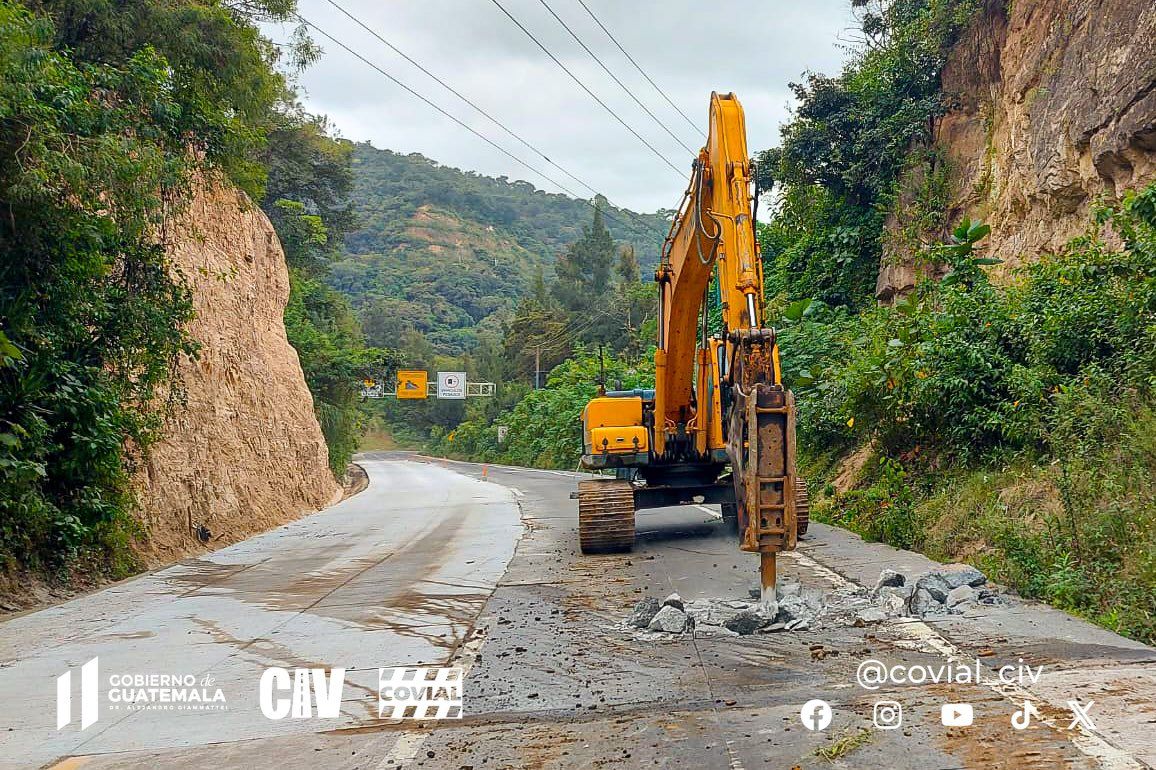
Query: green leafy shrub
x,y
545,427
843,153
981,392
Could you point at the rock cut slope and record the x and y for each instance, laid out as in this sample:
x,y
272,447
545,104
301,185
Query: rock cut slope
x,y
242,451
1055,110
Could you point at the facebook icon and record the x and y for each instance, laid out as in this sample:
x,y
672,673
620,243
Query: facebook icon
x,y
816,714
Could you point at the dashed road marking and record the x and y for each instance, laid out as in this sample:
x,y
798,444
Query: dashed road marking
x,y
927,639
404,750
713,514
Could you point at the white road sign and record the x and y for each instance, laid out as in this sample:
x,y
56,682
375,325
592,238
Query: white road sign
x,y
451,384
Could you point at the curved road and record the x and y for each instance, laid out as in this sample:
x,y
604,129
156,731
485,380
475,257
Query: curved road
x,y
451,563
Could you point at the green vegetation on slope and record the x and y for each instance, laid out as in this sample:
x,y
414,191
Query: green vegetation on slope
x,y
308,200
448,253
100,105
1010,426
107,111
597,299
850,140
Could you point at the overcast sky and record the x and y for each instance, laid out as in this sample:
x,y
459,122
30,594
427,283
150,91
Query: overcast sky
x,y
689,48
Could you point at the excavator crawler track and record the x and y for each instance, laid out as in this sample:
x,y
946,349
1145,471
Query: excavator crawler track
x,y
802,506
606,515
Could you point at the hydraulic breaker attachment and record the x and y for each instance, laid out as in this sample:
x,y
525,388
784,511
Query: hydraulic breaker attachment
x,y
761,446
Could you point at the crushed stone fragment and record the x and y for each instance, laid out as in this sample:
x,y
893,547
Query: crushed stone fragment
x,y
669,619
644,612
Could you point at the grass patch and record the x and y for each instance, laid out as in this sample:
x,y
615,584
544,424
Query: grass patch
x,y
1076,529
844,745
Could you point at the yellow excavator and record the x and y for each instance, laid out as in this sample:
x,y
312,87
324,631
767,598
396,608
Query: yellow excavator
x,y
719,426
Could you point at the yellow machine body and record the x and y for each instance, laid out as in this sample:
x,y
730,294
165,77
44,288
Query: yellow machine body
x,y
719,426
613,426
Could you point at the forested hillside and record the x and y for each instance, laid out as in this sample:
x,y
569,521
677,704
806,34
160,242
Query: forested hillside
x,y
112,117
1000,414
445,252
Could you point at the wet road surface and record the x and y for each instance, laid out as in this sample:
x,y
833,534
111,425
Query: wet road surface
x,y
450,562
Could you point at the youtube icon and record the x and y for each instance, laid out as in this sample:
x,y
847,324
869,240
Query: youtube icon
x,y
956,714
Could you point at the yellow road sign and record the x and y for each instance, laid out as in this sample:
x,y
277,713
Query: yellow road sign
x,y
412,384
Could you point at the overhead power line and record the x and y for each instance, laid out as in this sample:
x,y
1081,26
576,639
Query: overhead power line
x,y
638,67
458,94
464,125
584,87
614,77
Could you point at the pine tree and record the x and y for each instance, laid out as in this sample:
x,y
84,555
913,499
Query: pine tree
x,y
628,271
583,270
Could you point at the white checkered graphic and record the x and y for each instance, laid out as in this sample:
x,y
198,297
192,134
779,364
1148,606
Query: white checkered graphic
x,y
419,693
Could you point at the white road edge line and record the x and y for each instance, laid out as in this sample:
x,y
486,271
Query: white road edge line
x,y
928,640
713,514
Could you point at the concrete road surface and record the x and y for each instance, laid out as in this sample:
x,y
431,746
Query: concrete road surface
x,y
453,564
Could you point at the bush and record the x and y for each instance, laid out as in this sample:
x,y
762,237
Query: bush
x,y
968,368
1015,426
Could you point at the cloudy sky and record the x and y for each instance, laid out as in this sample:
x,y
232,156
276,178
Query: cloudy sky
x,y
689,48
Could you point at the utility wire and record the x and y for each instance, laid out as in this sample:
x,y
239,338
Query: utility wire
x,y
456,93
638,67
471,103
464,125
613,77
565,336
583,86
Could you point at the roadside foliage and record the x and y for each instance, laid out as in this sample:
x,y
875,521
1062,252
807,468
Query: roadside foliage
x,y
107,113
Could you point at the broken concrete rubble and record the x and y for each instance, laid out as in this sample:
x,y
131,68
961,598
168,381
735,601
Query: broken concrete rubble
x,y
674,600
923,602
951,589
960,595
746,622
669,619
956,575
792,608
644,612
889,578
870,616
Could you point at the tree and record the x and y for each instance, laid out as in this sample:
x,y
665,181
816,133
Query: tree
x,y
627,270
583,270
310,174
225,80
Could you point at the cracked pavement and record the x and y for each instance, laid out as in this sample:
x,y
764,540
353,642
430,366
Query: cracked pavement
x,y
445,563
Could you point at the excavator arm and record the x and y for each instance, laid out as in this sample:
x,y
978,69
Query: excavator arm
x,y
715,232
719,426
714,227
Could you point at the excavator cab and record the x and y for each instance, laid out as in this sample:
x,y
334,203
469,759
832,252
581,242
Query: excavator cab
x,y
719,426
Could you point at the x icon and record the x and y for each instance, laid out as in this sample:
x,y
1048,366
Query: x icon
x,y
1080,715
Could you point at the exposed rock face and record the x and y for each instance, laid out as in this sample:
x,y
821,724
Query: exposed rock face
x,y
245,452
1057,107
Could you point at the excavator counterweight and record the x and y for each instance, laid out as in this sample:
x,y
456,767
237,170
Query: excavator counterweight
x,y
719,426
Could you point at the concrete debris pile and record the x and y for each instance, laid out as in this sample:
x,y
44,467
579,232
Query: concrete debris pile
x,y
951,589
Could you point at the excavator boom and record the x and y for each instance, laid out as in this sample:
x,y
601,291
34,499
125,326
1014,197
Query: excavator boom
x,y
719,426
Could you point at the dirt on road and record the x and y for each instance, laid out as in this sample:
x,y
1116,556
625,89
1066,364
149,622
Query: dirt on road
x,y
450,564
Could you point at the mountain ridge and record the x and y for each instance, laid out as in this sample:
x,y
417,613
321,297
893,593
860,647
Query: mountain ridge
x,y
448,252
